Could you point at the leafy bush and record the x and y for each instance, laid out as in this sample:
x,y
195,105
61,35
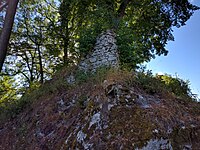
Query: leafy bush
x,y
10,109
163,83
81,76
87,41
8,90
176,85
149,83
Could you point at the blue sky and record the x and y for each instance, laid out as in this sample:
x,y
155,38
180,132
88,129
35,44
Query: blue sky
x,y
184,53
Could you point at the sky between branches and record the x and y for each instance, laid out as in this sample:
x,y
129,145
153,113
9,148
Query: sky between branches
x,y
184,53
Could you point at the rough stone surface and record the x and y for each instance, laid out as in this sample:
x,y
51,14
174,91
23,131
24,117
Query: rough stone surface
x,y
158,144
104,54
71,79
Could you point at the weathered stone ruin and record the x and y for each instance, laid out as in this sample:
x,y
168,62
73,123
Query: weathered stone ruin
x,y
104,54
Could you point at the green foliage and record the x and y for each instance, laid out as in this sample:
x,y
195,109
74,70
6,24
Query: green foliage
x,y
81,76
12,108
87,41
164,83
147,27
149,83
97,20
176,85
8,92
131,53
30,56
46,30
100,75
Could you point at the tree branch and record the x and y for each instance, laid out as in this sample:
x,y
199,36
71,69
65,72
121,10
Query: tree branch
x,y
2,6
122,8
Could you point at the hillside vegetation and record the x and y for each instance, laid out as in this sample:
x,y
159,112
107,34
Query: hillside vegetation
x,y
63,82
110,109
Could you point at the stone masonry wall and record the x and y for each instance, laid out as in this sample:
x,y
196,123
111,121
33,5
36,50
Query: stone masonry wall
x,y
104,54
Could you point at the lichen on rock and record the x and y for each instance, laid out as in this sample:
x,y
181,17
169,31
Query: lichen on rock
x,y
96,119
157,144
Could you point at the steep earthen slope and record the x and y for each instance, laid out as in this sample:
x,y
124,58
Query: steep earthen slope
x,y
103,112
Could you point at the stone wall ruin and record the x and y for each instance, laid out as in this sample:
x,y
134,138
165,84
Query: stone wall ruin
x,y
104,54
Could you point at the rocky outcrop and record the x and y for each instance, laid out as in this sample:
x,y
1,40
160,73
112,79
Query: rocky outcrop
x,y
104,54
114,113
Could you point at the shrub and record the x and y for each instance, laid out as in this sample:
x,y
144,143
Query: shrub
x,y
176,85
163,83
149,83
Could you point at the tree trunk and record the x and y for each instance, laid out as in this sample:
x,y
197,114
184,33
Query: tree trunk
x,y
66,44
64,12
6,31
40,64
122,8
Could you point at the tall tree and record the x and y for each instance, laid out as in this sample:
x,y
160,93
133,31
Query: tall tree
x,y
47,30
64,12
143,27
70,20
6,31
30,54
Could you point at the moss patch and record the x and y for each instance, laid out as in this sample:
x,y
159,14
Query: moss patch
x,y
131,126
